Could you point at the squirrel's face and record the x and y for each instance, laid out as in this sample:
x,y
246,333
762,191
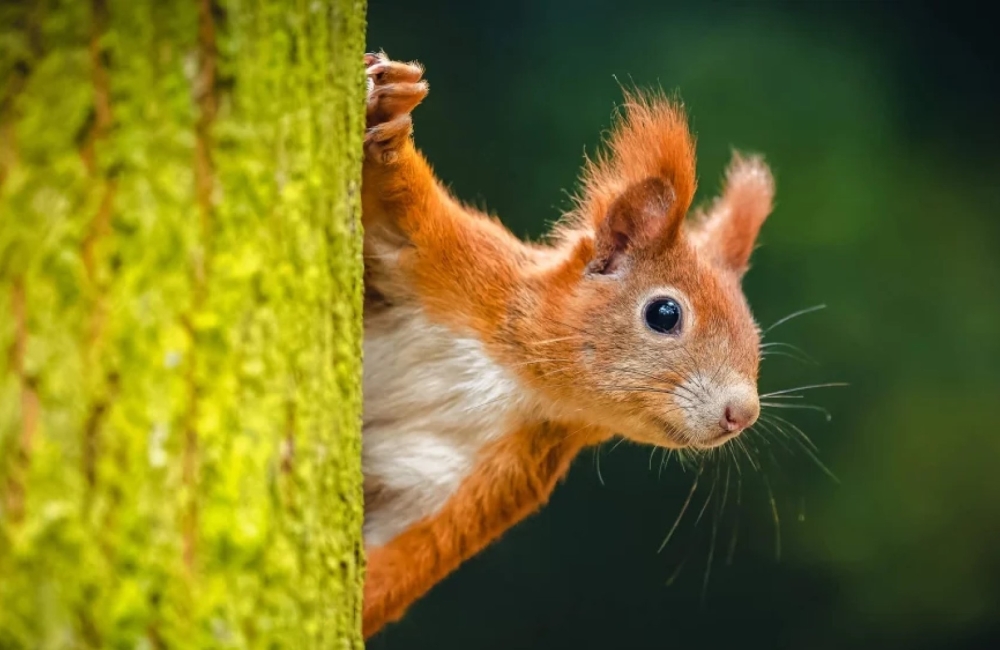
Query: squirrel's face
x,y
666,350
650,333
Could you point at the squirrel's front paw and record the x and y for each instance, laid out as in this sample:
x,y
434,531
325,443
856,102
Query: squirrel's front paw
x,y
394,89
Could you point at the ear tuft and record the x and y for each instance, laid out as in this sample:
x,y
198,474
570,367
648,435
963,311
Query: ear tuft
x,y
650,139
641,215
728,230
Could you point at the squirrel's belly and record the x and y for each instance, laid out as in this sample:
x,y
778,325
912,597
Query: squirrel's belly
x,y
432,399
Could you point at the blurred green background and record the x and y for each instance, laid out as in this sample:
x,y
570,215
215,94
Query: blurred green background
x,y
882,123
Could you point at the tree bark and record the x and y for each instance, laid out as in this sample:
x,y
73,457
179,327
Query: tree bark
x,y
180,323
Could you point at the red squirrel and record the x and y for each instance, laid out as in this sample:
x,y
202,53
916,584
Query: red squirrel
x,y
489,363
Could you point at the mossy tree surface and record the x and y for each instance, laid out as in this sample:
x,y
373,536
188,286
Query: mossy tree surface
x,y
180,323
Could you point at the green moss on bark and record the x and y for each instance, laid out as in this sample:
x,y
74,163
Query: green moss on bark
x,y
180,323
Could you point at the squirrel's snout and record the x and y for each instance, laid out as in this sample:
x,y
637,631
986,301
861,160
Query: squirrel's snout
x,y
717,408
740,414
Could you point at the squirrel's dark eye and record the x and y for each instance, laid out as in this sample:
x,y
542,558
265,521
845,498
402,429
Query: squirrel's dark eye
x,y
663,315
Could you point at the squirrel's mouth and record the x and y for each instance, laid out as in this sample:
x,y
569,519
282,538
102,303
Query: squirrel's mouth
x,y
675,437
717,441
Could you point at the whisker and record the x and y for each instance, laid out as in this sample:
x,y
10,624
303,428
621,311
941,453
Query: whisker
x,y
741,443
711,546
698,374
718,515
618,444
680,515
730,449
769,348
692,362
637,389
777,420
677,571
553,371
780,435
736,526
808,446
777,521
568,326
715,375
670,383
803,407
556,340
664,461
794,314
643,389
725,490
801,357
537,361
810,387
708,499
774,461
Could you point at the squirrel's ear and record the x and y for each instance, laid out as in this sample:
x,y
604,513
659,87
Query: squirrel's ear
x,y
644,213
728,230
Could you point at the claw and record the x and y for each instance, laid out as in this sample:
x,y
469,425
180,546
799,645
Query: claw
x,y
394,90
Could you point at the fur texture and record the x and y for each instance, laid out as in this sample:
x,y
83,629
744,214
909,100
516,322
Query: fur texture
x,y
490,362
419,445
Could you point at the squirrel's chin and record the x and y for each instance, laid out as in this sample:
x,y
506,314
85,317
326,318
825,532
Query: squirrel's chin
x,y
660,433
711,442
669,436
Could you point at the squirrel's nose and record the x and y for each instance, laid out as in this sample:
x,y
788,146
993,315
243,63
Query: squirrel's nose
x,y
740,414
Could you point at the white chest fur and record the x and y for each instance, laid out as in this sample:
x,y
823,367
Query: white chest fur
x,y
432,400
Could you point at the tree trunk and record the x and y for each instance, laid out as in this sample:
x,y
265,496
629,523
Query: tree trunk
x,y
180,323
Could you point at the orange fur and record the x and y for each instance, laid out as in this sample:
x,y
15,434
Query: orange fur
x,y
514,479
651,139
728,229
562,318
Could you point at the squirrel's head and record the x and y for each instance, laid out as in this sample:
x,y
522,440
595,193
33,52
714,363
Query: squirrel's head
x,y
647,325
